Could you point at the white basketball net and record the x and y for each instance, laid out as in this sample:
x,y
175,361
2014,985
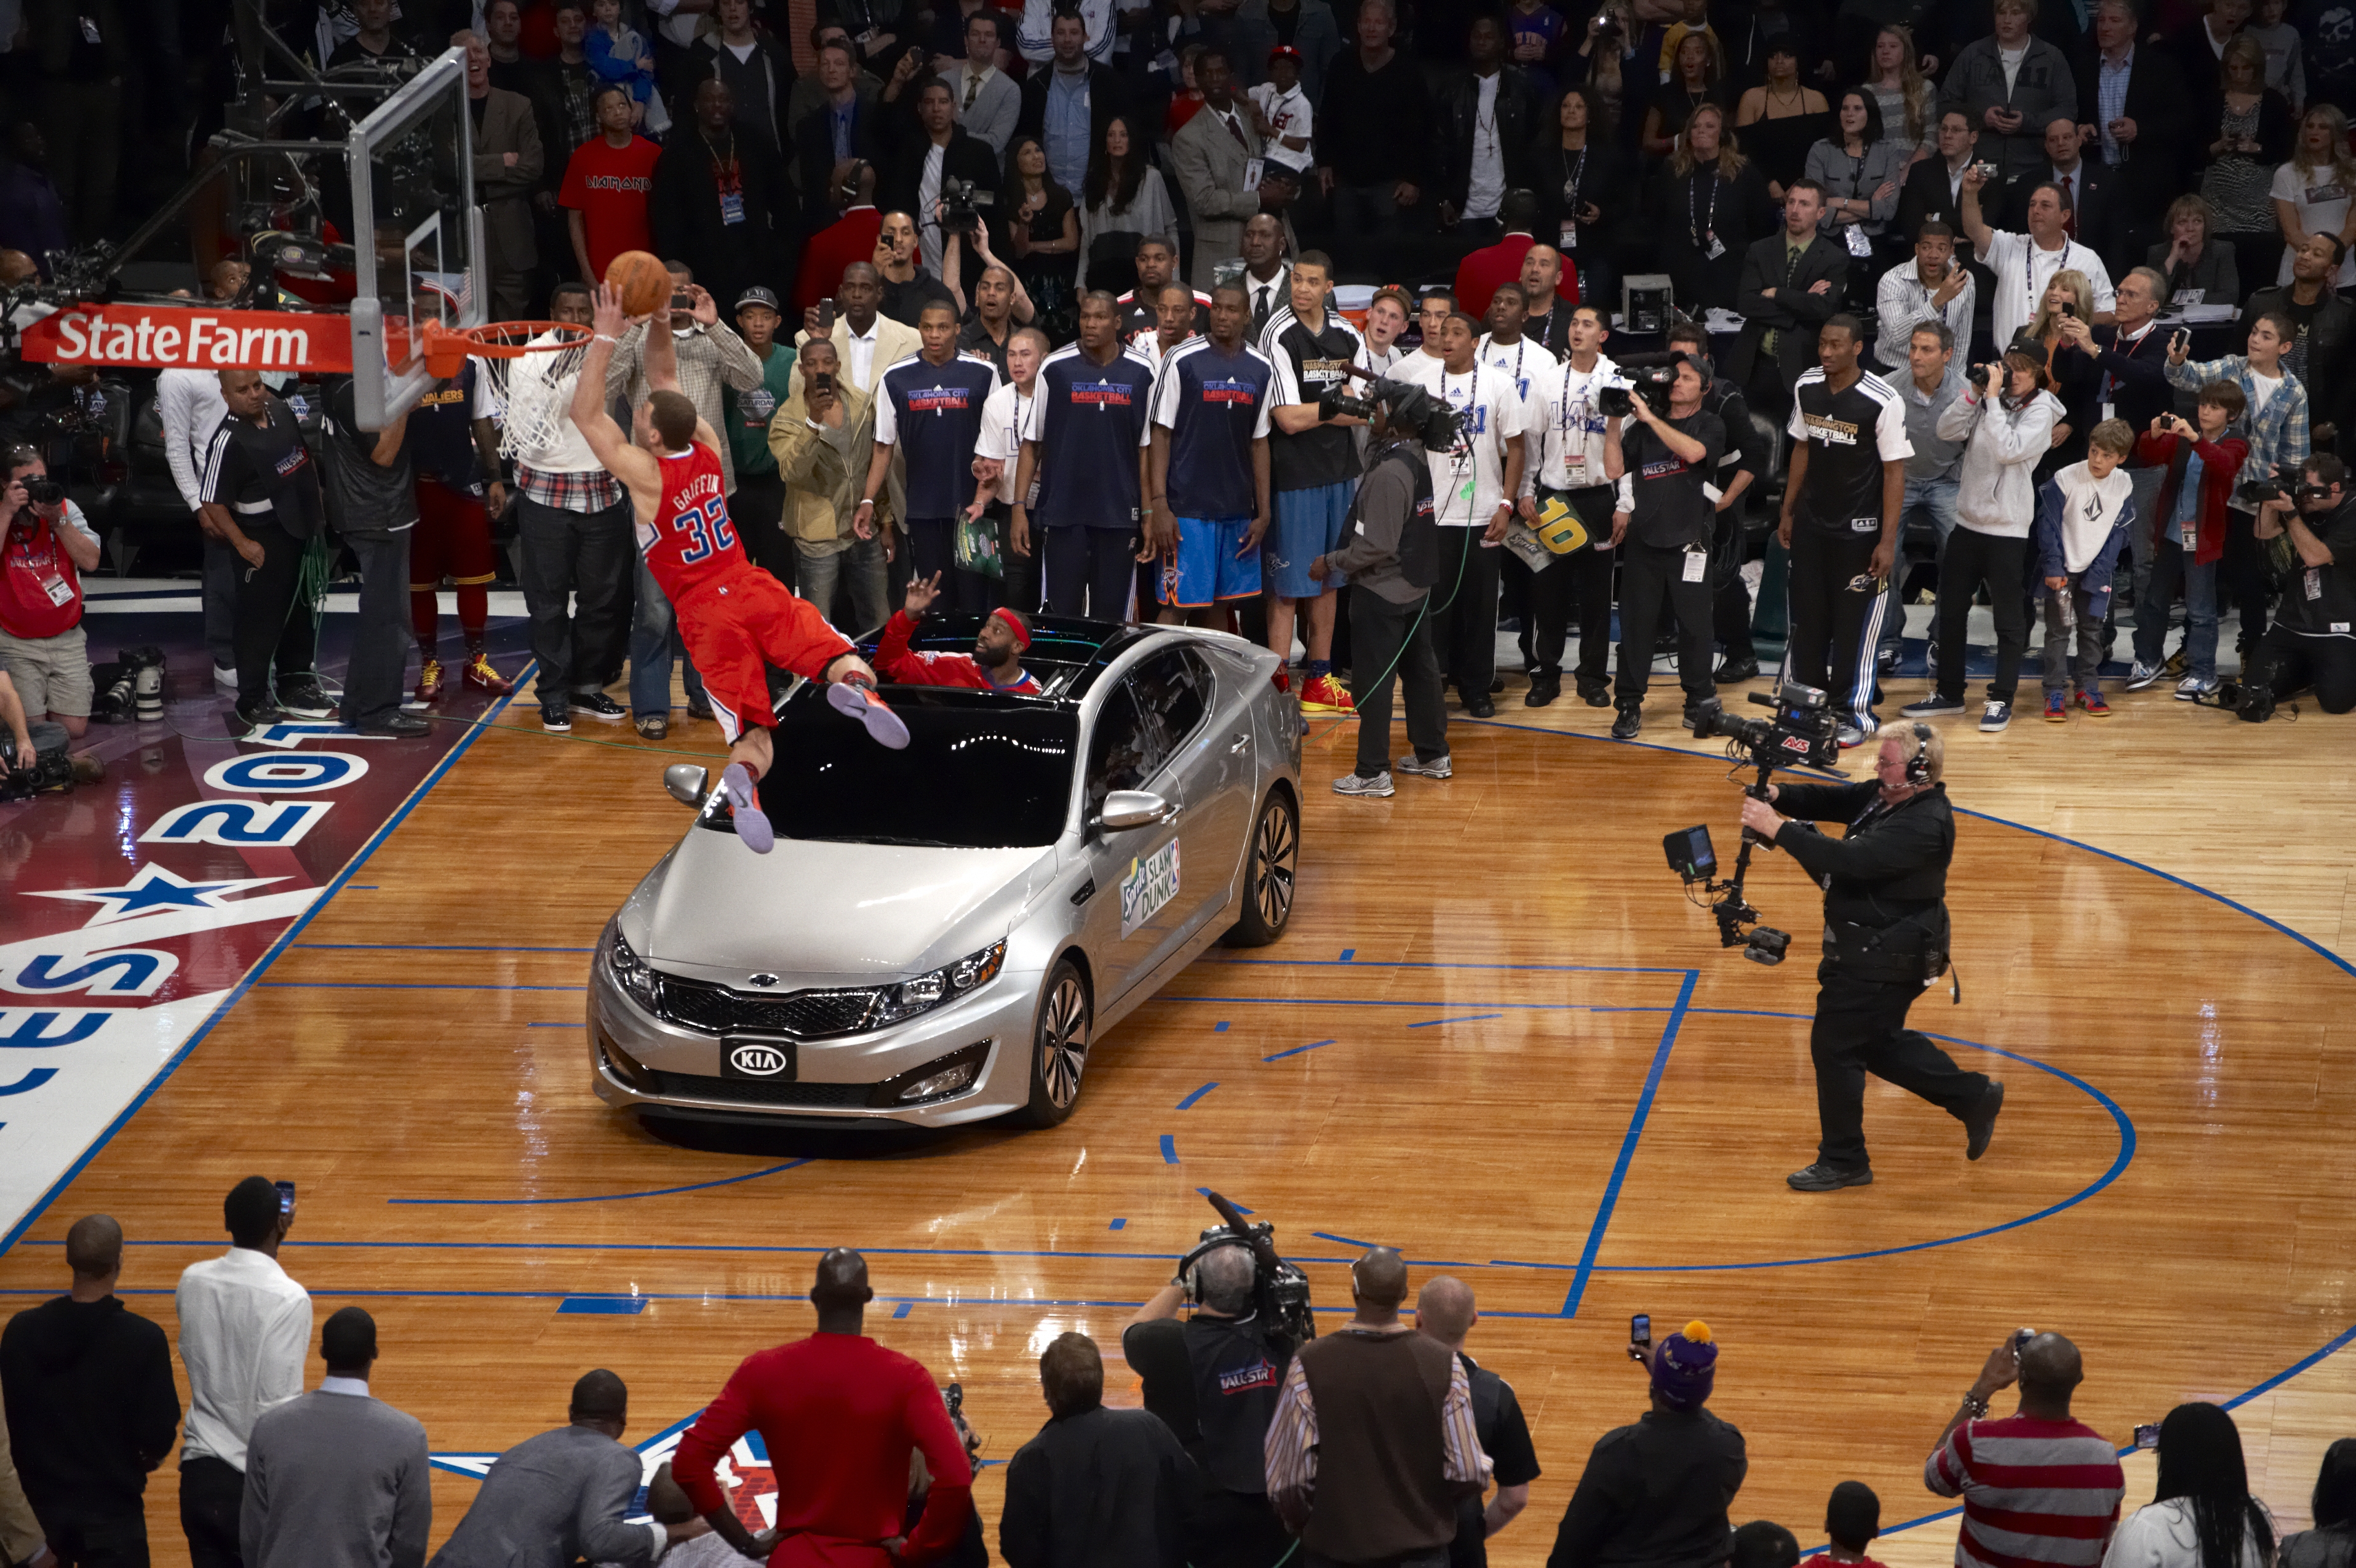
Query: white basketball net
x,y
535,391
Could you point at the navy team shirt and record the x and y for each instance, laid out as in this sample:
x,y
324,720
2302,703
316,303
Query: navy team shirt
x,y
934,413
1090,421
1214,404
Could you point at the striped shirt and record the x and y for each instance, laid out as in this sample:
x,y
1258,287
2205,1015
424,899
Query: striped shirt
x,y
1291,1446
2037,1493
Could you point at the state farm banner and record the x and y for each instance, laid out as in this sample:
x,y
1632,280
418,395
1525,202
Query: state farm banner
x,y
190,338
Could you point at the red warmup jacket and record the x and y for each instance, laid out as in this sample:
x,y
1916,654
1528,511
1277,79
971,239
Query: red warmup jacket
x,y
840,1414
2220,463
898,664
1478,275
850,238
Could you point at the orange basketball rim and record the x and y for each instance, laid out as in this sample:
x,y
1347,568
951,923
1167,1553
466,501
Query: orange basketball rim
x,y
447,350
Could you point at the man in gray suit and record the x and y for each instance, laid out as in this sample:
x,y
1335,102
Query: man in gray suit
x,y
507,165
560,1496
1213,155
336,1478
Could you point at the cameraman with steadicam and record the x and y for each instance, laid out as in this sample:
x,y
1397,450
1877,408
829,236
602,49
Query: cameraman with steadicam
x,y
2313,640
1885,886
1213,1379
1662,527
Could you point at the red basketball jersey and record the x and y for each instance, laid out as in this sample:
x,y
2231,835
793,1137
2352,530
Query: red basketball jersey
x,y
692,542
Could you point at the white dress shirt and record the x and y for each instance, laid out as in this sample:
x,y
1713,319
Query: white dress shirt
x,y
1001,420
863,354
190,403
2023,273
244,1330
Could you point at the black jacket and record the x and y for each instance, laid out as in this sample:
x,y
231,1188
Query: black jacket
x,y
685,208
2155,170
966,157
2325,374
814,154
762,82
1928,197
2097,203
1892,865
2137,375
1373,129
1794,311
1654,1494
1103,1487
1454,112
1603,181
92,1408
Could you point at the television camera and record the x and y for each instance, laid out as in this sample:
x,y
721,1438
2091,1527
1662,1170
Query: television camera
x,y
1280,1290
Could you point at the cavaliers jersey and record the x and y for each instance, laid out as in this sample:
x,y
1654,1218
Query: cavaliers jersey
x,y
1850,434
691,543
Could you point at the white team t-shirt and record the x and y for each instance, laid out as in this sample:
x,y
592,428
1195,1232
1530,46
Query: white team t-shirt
x,y
1468,484
1000,435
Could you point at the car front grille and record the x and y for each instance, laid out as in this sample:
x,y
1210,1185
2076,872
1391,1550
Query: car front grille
x,y
804,1014
758,1092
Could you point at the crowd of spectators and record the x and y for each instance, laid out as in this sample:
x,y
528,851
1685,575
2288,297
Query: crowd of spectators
x,y
1381,1441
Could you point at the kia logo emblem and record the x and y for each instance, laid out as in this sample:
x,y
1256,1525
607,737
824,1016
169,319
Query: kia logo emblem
x,y
758,1061
764,979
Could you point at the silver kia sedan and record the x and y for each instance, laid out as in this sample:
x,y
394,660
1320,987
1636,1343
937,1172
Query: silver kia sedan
x,y
942,934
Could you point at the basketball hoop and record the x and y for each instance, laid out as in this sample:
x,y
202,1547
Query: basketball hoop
x,y
531,367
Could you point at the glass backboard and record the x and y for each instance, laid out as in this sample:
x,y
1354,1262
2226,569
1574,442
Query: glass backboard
x,y
412,170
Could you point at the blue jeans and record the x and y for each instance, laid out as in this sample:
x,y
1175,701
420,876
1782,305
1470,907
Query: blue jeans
x,y
2170,567
1927,500
654,642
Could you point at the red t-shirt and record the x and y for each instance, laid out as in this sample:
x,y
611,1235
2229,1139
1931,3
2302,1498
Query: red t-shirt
x,y
40,591
850,238
611,186
1478,275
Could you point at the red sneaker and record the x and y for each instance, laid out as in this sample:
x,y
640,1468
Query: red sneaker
x,y
429,681
2092,701
480,674
1325,694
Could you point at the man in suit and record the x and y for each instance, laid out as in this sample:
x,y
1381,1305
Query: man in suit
x,y
1792,284
560,1496
988,103
1211,154
2085,185
336,1478
846,123
2133,104
507,166
1067,95
1934,191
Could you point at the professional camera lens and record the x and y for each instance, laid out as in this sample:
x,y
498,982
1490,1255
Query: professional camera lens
x,y
44,492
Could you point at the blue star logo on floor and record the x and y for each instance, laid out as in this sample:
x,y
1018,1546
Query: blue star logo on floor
x,y
744,1474
153,887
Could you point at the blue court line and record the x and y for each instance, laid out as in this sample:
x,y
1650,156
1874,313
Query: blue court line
x,y
269,955
1200,1092
1296,1050
902,1310
1346,1241
424,947
556,1025
1347,954
1628,1145
1118,1225
1475,1018
601,1197
1220,1027
1169,1150
1239,1208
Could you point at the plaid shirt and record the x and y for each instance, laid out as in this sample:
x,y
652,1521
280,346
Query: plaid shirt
x,y
708,359
2111,96
1289,1449
581,490
579,94
2277,433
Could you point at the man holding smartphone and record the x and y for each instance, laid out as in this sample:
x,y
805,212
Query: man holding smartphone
x,y
1934,286
1658,1490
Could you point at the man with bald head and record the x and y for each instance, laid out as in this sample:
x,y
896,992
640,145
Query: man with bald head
x,y
1444,1311
260,495
1547,321
1374,1441
561,1496
2039,1486
91,1411
840,1414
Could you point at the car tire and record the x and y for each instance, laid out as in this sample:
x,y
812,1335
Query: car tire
x,y
1271,860
1060,1037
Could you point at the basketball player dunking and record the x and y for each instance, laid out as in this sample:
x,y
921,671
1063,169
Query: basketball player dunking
x,y
733,617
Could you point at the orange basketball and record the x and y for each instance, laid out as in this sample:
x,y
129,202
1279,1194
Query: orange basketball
x,y
644,281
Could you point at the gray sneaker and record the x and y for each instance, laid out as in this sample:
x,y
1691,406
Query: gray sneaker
x,y
2192,688
1851,734
1379,785
1437,768
1932,707
2142,676
1995,716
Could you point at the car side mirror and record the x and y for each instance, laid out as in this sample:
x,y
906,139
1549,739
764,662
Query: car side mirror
x,y
1126,809
687,782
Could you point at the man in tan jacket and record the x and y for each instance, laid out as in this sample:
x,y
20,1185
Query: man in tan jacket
x,y
822,436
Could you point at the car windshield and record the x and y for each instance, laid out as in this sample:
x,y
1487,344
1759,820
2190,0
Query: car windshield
x,y
981,771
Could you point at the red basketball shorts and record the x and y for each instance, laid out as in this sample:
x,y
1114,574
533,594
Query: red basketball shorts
x,y
452,539
737,627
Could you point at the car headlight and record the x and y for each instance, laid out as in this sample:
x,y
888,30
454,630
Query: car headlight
x,y
641,983
928,991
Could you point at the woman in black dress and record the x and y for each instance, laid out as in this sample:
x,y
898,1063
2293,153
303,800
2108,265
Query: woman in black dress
x,y
1709,202
1043,229
1696,78
1781,119
1580,179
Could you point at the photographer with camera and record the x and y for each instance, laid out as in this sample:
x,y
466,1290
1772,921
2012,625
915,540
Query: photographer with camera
x,y
2313,640
1741,465
938,158
1885,940
45,545
1662,528
1212,1378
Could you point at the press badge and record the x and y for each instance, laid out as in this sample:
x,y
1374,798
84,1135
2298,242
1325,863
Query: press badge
x,y
1859,245
1569,236
1717,249
61,592
2315,582
1697,565
1253,169
731,207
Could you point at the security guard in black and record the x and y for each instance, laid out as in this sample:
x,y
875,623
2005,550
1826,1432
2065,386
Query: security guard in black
x,y
1885,885
261,493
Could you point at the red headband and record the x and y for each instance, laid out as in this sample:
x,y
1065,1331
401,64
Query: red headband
x,y
1016,624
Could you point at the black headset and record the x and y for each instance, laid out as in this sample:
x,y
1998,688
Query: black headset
x,y
1918,767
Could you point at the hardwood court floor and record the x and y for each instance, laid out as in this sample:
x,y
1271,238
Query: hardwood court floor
x,y
1490,988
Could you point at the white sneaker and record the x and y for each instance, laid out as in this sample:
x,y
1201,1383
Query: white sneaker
x,y
2142,676
2192,688
1379,785
1438,768
225,677
1995,716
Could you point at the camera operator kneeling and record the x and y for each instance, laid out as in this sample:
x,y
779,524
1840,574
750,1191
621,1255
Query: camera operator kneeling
x,y
2313,640
1214,1380
1885,886
1662,528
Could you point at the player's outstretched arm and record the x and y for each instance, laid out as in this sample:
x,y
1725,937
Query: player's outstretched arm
x,y
605,439
661,356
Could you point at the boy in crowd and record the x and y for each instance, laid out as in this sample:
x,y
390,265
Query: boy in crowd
x,y
1852,1521
2083,513
2200,465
